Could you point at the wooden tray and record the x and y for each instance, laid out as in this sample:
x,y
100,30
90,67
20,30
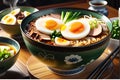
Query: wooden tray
x,y
17,71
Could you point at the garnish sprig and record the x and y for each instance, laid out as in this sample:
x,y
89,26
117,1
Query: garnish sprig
x,y
116,29
4,54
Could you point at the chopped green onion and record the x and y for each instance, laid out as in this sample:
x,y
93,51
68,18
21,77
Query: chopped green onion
x,y
62,15
93,23
4,54
116,29
68,16
55,34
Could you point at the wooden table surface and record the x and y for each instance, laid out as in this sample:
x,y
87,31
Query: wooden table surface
x,y
24,54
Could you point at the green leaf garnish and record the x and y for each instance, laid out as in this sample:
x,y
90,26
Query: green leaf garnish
x,y
68,16
116,29
4,54
93,23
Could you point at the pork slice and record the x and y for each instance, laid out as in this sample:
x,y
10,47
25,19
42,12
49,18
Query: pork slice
x,y
96,31
55,16
52,15
104,27
44,36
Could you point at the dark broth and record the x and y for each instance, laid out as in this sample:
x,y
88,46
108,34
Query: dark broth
x,y
98,4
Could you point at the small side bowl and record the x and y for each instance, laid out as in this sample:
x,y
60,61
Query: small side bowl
x,y
98,3
8,63
14,29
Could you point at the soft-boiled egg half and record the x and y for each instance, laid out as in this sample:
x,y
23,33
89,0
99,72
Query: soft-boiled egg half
x,y
48,24
15,11
19,21
26,13
76,29
61,41
9,19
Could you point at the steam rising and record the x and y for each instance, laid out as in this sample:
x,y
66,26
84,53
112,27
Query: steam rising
x,y
11,3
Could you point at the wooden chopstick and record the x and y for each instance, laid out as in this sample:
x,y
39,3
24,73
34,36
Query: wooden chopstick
x,y
97,73
107,64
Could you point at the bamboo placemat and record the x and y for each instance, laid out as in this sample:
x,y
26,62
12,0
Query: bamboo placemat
x,y
39,70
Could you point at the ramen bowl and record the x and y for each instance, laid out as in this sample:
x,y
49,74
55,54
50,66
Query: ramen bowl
x,y
65,60
8,62
14,29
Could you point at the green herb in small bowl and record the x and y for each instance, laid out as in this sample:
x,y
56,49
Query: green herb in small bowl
x,y
116,29
5,52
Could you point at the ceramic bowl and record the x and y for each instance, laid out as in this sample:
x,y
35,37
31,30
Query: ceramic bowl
x,y
14,29
65,60
98,3
9,62
99,6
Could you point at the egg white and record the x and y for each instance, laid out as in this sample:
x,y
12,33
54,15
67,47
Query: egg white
x,y
15,11
40,24
70,35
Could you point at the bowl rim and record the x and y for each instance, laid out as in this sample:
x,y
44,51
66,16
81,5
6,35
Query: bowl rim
x,y
82,48
17,7
7,43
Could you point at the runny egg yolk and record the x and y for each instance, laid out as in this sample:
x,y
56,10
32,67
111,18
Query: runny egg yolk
x,y
61,40
9,21
6,17
13,12
51,24
63,27
76,27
